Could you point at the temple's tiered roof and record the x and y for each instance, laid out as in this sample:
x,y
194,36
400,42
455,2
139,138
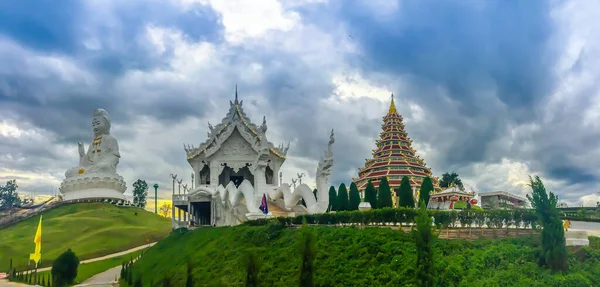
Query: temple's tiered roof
x,y
235,119
394,157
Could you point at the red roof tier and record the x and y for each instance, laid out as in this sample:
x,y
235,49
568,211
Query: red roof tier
x,y
393,156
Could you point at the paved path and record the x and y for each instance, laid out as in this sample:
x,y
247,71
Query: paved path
x,y
6,283
102,279
106,256
592,228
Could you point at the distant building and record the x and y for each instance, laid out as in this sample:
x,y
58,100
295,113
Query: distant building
x,y
394,158
501,200
451,198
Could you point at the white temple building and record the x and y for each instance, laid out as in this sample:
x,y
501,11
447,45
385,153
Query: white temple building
x,y
233,168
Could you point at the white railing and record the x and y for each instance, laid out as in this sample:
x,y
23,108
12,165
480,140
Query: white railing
x,y
179,197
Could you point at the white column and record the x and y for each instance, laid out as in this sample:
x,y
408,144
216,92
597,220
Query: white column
x,y
172,214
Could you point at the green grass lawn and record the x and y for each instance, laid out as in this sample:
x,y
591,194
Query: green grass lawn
x,y
87,270
355,257
89,229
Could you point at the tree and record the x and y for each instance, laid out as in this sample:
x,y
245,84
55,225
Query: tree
x,y
308,251
189,278
165,209
9,197
342,198
425,191
385,194
140,192
450,178
333,200
354,197
64,269
554,250
405,194
424,236
252,270
371,194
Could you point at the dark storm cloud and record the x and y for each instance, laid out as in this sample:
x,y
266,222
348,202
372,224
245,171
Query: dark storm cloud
x,y
42,25
461,44
477,71
58,28
454,54
198,22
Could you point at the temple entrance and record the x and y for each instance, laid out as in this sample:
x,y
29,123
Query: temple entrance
x,y
201,213
228,175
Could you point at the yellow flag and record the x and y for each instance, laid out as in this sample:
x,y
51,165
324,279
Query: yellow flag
x,y
37,255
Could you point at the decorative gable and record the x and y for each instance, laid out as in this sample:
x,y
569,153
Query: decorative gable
x,y
235,120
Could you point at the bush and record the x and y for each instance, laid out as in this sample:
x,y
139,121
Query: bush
x,y
64,269
554,250
371,194
425,191
406,194
252,270
424,236
442,218
384,198
308,252
333,202
342,198
354,196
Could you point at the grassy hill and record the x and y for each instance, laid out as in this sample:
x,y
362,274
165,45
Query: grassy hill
x,y
89,229
355,257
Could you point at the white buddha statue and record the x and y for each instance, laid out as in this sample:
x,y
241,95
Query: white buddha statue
x,y
102,155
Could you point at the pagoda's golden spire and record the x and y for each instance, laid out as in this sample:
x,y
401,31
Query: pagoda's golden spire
x,y
392,107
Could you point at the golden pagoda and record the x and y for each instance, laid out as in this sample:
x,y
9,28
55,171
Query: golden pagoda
x,y
394,158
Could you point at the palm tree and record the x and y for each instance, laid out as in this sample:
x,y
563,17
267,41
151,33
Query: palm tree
x,y
451,178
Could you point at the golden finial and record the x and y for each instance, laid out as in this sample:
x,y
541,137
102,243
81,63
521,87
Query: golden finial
x,y
392,107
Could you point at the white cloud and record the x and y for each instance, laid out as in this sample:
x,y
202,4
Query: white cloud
x,y
201,71
17,60
507,175
250,19
354,86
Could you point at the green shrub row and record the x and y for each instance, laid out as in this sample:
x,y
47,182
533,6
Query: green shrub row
x,y
468,218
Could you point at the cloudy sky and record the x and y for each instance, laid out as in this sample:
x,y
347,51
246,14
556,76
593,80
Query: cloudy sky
x,y
494,90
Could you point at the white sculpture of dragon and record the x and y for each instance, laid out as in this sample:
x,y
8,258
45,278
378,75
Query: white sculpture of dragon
x,y
313,205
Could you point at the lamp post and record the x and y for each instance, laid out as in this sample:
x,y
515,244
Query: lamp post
x,y
174,177
155,198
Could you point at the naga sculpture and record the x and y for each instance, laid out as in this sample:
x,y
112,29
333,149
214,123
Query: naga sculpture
x,y
303,191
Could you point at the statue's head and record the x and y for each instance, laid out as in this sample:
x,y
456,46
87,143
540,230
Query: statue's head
x,y
100,122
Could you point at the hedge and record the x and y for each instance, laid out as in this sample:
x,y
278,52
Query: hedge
x,y
467,218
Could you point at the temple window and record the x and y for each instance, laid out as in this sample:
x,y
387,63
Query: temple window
x,y
269,175
205,175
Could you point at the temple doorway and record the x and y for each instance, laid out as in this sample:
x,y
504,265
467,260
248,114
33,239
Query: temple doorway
x,y
201,212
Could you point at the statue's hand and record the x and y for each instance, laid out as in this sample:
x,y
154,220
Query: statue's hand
x,y
81,149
